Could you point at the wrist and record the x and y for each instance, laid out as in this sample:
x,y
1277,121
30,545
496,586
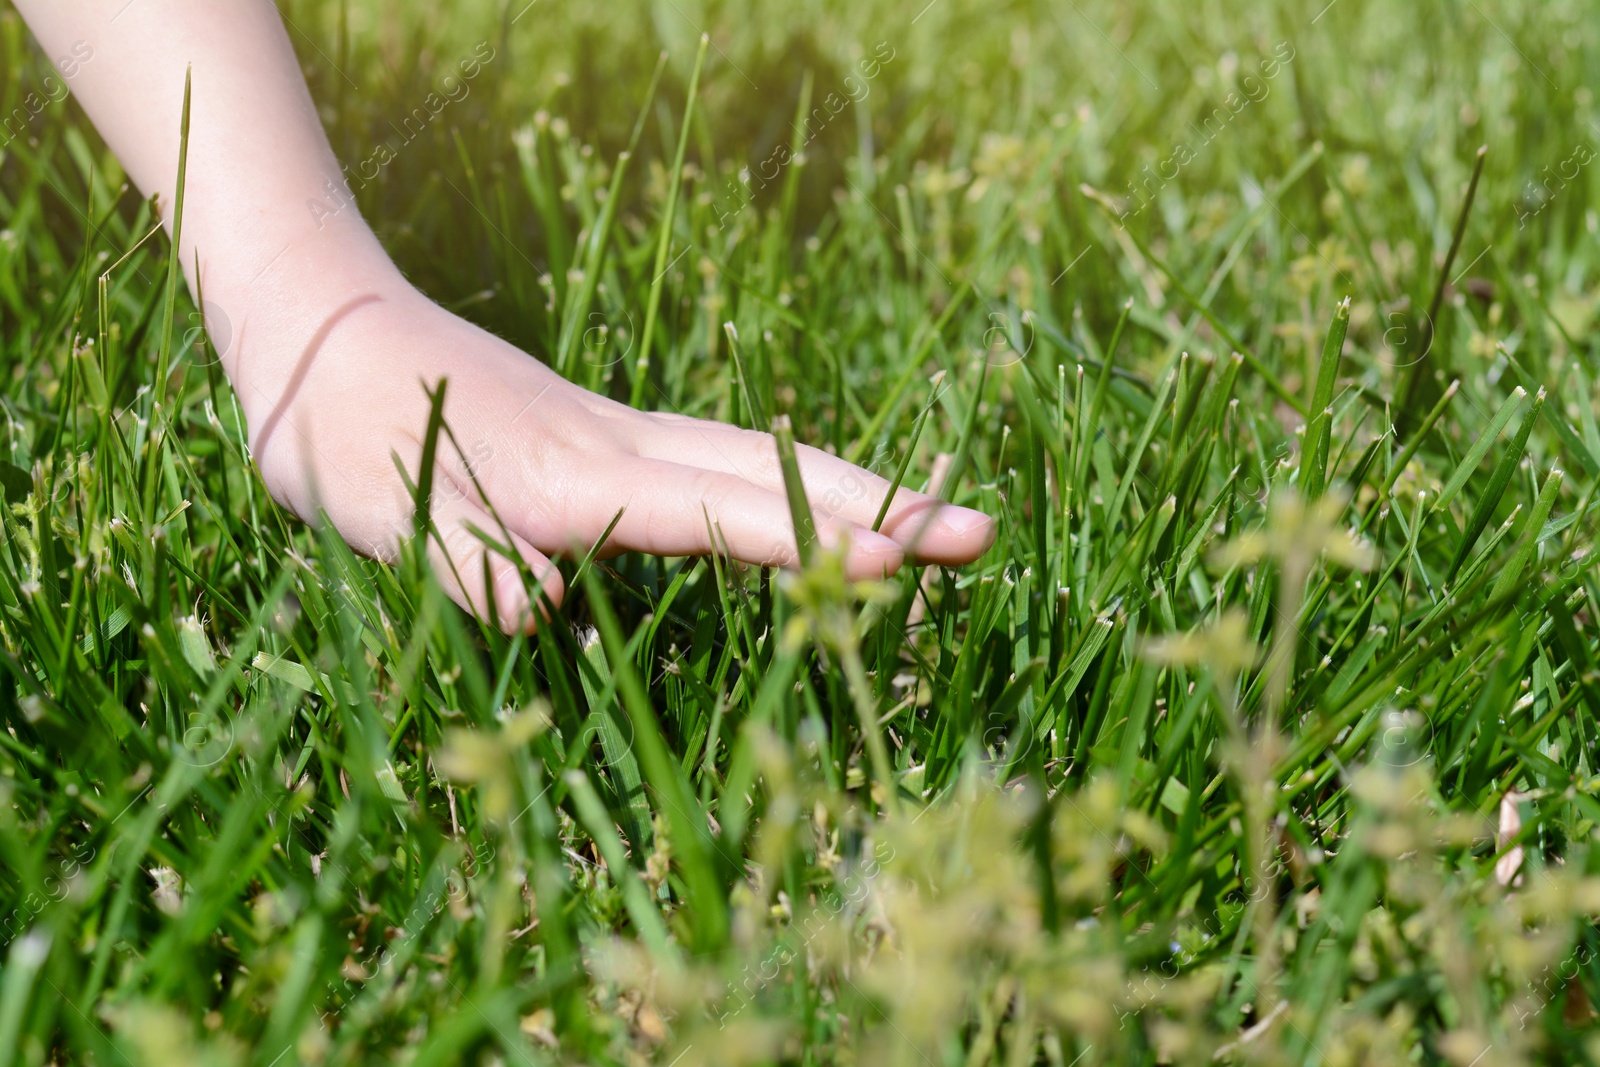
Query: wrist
x,y
284,268
273,310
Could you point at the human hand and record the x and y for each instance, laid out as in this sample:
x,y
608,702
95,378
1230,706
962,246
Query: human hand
x,y
332,351
333,390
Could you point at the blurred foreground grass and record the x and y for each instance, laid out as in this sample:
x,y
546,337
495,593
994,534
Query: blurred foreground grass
x,y
1265,733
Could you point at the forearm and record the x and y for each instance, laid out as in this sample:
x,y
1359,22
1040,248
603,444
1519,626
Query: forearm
x,y
257,155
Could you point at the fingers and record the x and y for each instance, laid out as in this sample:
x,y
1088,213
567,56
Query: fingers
x,y
469,568
930,529
927,528
671,510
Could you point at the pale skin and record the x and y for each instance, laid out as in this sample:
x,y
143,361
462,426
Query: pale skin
x,y
331,348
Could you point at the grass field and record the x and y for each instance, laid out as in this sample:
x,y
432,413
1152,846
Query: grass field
x,y
1265,733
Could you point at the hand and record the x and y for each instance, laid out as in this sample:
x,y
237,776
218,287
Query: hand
x,y
334,389
332,351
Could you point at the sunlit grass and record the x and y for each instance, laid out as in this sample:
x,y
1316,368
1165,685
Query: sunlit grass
x,y
1264,733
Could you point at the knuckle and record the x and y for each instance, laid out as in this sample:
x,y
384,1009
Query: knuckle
x,y
460,544
711,490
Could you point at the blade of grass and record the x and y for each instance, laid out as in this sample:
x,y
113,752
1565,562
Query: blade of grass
x,y
664,242
805,525
1511,573
1487,502
692,844
1314,450
911,449
1407,392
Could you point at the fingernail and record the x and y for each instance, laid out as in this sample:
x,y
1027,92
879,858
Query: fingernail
x,y
964,522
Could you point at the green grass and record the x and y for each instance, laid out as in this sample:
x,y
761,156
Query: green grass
x,y
1265,732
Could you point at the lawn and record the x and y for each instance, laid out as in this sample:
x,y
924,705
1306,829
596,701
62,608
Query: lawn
x,y
1266,732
